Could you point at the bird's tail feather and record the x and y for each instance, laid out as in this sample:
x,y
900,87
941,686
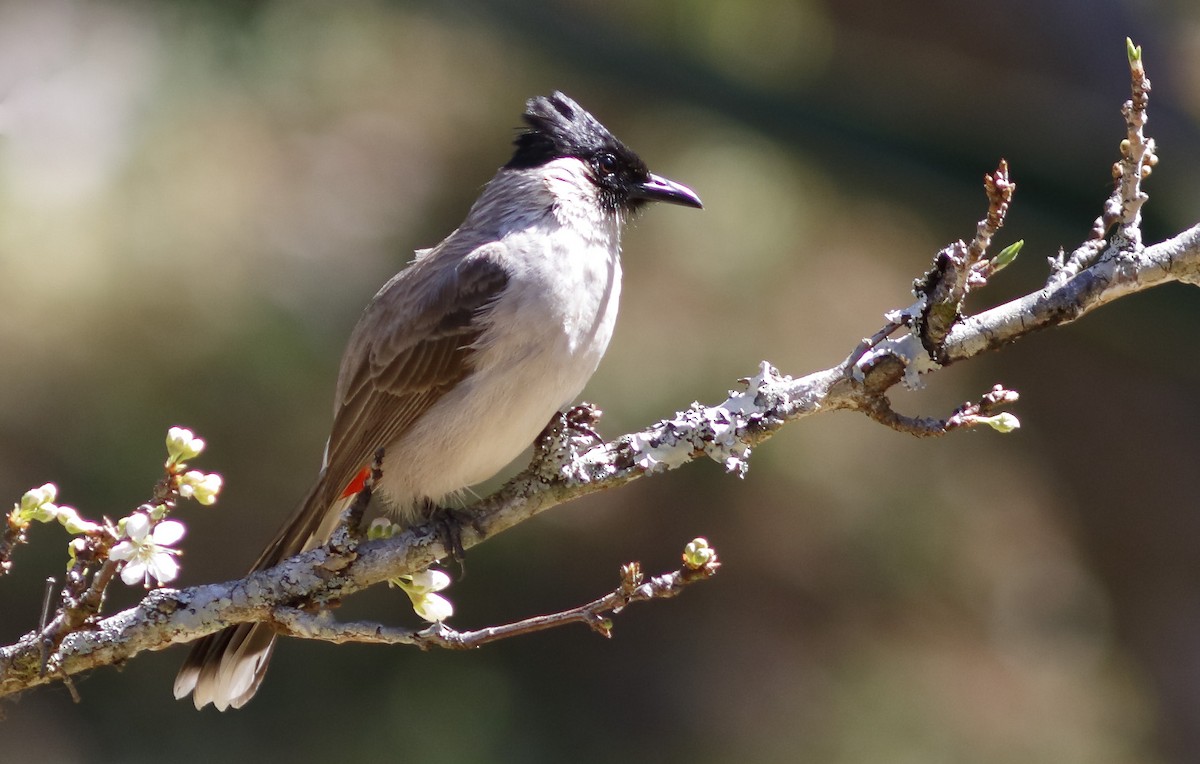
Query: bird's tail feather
x,y
226,668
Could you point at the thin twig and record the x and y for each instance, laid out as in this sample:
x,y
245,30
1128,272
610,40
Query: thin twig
x,y
46,644
1124,204
956,270
291,621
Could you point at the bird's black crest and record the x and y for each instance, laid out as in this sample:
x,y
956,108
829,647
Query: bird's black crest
x,y
558,127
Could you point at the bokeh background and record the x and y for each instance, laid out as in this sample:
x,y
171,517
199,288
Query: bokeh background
x,y
196,199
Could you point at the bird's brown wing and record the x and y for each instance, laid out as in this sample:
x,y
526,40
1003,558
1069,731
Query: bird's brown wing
x,y
414,342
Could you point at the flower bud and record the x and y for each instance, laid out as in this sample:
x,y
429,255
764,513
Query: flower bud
x,y
381,528
36,497
433,608
698,553
75,525
1005,422
182,444
200,486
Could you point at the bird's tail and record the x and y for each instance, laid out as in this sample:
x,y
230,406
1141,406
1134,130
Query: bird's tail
x,y
226,668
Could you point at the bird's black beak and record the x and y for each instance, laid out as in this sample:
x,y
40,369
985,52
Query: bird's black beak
x,y
658,189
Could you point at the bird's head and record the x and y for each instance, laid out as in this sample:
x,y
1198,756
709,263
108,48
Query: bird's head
x,y
559,128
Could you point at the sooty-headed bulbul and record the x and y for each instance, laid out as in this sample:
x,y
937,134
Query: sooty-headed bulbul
x,y
464,356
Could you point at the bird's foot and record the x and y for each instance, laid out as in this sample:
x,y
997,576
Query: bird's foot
x,y
579,423
449,523
569,435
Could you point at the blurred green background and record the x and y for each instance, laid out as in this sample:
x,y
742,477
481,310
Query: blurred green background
x,y
196,199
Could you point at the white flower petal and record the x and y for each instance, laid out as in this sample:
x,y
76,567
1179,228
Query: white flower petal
x,y
137,526
433,608
133,573
123,551
163,568
168,532
428,581
438,580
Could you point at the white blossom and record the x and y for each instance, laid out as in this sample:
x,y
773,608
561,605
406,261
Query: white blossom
x,y
145,550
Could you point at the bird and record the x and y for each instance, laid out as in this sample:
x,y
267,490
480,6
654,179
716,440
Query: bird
x,y
465,355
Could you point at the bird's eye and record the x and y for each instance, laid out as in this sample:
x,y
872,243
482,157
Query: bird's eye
x,y
607,164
